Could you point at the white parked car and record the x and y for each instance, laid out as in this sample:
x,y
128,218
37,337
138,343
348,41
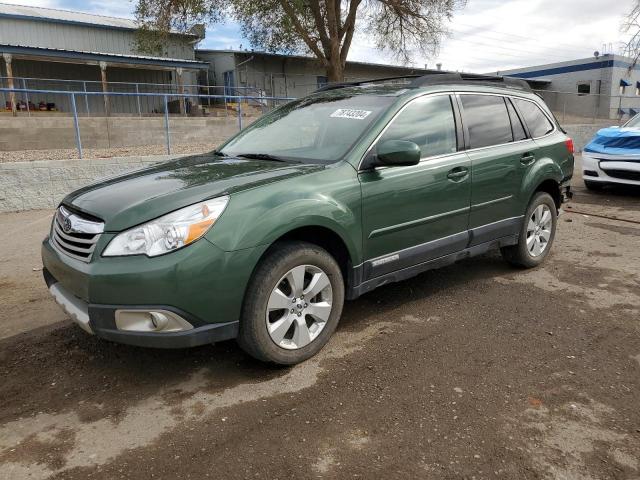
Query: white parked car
x,y
613,156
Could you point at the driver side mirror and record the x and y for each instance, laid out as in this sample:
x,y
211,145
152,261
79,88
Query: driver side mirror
x,y
395,153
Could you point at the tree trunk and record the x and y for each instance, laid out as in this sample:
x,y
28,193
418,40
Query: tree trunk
x,y
335,71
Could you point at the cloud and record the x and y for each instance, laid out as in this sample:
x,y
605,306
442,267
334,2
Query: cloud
x,y
487,35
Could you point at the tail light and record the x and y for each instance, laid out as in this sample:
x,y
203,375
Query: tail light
x,y
570,146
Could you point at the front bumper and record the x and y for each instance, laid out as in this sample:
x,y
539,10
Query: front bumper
x,y
611,169
201,285
100,320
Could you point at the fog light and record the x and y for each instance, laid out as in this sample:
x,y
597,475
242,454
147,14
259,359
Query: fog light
x,y
160,321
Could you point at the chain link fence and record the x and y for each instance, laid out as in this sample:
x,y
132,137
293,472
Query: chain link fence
x,y
579,109
161,120
103,120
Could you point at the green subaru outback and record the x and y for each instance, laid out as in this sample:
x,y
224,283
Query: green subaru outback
x,y
324,199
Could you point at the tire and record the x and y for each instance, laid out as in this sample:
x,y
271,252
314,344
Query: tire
x,y
526,253
278,335
593,186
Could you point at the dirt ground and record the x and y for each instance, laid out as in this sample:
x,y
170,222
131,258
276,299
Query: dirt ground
x,y
474,371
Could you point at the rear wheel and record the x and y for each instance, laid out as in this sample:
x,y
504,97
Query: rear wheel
x,y
594,186
292,305
537,233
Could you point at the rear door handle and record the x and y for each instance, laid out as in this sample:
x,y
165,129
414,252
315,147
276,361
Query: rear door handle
x,y
527,158
458,173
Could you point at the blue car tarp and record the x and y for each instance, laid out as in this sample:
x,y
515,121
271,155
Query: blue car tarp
x,y
615,141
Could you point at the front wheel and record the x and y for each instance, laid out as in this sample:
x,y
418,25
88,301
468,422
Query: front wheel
x,y
537,233
292,305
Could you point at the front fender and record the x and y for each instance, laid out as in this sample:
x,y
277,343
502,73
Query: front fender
x,y
330,199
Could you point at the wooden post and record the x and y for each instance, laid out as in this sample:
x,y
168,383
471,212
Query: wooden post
x,y
12,96
105,87
182,101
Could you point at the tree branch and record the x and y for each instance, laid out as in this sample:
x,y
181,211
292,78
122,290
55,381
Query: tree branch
x,y
313,46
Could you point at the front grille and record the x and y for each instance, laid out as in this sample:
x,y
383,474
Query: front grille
x,y
623,174
75,235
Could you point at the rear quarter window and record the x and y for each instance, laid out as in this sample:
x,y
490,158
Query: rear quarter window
x,y
538,123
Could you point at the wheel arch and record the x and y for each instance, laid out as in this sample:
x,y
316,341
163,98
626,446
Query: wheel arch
x,y
323,236
552,187
545,176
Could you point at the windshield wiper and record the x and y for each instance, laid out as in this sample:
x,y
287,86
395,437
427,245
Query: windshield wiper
x,y
218,153
261,156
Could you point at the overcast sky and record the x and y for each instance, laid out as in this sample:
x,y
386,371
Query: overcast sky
x,y
486,36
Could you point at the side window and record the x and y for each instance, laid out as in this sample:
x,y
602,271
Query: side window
x,y
487,120
516,123
428,122
539,125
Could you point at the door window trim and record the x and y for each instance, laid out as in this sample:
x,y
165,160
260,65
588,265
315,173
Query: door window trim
x,y
457,124
507,96
461,132
466,129
524,122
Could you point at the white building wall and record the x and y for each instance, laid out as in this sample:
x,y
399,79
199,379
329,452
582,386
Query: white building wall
x,y
606,98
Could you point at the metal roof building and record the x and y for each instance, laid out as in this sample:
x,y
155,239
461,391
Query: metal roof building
x,y
282,75
98,51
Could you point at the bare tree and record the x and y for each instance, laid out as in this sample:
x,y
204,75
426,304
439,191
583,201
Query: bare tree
x,y
631,25
323,28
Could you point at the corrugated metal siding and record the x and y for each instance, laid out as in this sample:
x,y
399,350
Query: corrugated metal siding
x,y
79,37
65,15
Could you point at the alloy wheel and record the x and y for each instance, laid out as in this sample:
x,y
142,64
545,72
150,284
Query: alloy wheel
x,y
539,230
299,307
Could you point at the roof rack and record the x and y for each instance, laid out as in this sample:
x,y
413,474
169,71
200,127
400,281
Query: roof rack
x,y
334,86
471,78
440,78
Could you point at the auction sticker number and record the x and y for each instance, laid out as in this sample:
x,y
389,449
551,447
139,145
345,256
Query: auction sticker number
x,y
350,113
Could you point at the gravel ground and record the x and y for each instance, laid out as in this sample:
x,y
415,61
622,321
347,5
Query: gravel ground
x,y
72,153
476,371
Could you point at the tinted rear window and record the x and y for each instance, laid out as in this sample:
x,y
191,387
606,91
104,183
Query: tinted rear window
x,y
487,119
538,123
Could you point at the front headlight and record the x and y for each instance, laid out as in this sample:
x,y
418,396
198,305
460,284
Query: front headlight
x,y
168,233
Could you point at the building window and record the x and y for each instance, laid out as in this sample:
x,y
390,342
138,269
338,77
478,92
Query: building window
x,y
321,81
584,88
623,86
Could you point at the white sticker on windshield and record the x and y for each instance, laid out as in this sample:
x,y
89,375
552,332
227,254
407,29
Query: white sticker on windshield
x,y
350,113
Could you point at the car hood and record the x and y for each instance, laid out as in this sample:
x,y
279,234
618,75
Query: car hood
x,y
615,141
128,200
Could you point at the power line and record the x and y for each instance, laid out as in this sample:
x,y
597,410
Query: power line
x,y
516,35
572,50
510,49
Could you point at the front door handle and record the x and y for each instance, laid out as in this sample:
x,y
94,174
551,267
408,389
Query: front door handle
x,y
458,173
527,158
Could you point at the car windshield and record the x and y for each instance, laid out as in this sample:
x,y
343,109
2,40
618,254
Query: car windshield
x,y
633,123
319,128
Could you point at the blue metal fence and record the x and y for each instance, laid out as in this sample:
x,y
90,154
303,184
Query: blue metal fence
x,y
72,97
